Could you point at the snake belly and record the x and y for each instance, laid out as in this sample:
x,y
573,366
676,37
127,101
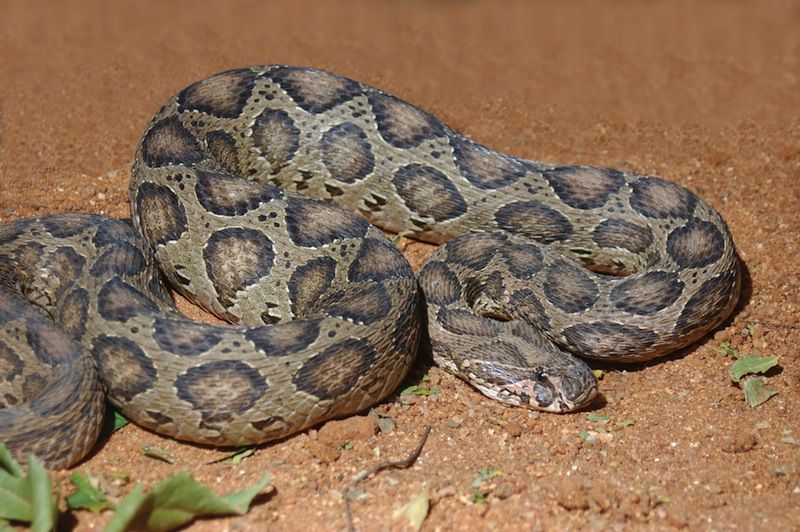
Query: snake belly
x,y
326,312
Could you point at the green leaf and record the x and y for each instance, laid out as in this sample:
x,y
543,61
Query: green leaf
x,y
597,418
158,454
87,495
45,504
598,373
8,463
27,498
479,498
417,390
416,510
725,349
485,474
119,421
752,364
755,393
177,501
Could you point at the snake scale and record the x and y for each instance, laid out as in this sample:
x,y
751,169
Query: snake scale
x,y
538,261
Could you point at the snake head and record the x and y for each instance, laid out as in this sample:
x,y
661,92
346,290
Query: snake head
x,y
564,388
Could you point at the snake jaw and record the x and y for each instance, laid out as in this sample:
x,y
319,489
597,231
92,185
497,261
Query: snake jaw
x,y
559,392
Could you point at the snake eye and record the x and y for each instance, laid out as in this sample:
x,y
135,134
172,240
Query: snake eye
x,y
541,376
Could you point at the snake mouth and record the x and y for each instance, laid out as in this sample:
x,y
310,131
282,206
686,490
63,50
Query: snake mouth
x,y
560,392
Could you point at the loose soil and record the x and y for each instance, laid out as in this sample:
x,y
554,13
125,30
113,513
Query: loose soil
x,y
704,94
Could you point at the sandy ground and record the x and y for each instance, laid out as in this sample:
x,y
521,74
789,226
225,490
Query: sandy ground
x,y
705,94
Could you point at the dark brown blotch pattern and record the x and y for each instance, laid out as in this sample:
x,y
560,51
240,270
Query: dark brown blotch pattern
x,y
231,196
161,214
223,95
464,322
401,124
584,187
704,306
123,258
346,153
222,148
276,137
184,337
11,364
236,258
284,338
67,225
696,244
313,90
309,283
615,233
378,260
428,192
603,339
647,293
439,284
475,250
656,198
221,389
73,312
125,369
569,287
364,304
313,224
118,301
484,168
168,142
335,370
534,219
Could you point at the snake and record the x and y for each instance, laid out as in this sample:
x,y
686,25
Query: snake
x,y
257,193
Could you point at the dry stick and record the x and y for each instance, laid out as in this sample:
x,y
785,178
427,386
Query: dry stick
x,y
404,463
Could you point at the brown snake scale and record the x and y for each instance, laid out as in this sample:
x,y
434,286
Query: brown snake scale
x,y
540,260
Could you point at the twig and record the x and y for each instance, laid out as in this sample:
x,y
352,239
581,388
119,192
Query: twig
x,y
404,463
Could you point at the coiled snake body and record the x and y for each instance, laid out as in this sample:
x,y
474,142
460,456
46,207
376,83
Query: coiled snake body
x,y
327,312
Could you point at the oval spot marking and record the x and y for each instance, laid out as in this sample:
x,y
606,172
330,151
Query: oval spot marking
x,y
67,225
161,215
584,187
525,305
401,124
223,95
428,192
276,138
569,288
221,390
72,313
309,283
695,245
602,339
439,284
123,258
315,91
475,250
378,260
118,301
222,149
167,142
484,168
11,364
231,196
184,337
236,258
623,234
705,305
656,198
535,220
647,293
336,370
285,338
346,153
464,322
313,224
124,367
360,304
